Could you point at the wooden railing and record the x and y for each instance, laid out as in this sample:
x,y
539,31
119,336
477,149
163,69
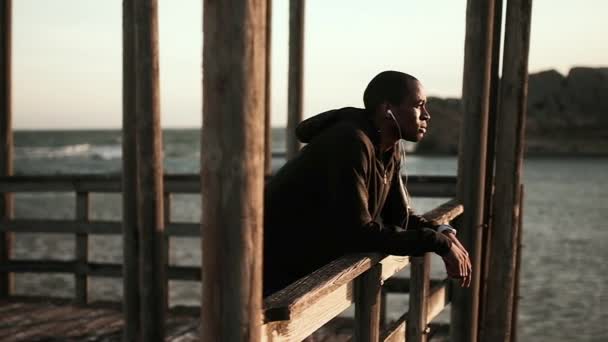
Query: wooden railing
x,y
306,305
290,314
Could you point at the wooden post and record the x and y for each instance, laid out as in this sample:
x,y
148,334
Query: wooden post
x,y
167,242
150,173
491,151
509,160
6,139
232,169
520,224
82,247
383,299
268,93
296,74
472,160
419,292
130,228
367,305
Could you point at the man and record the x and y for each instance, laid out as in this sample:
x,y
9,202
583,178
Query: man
x,y
343,192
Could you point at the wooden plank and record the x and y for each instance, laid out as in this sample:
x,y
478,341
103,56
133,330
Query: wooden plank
x,y
295,91
12,325
6,138
367,305
183,229
491,154
393,264
191,273
149,172
309,290
472,158
128,183
509,160
232,168
44,321
445,213
419,286
82,247
311,318
61,226
418,185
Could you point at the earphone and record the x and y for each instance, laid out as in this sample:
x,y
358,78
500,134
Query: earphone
x,y
404,193
392,116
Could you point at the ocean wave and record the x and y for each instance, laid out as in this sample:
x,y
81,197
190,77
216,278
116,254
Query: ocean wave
x,y
87,151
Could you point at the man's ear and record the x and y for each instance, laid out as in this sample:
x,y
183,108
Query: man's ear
x,y
384,107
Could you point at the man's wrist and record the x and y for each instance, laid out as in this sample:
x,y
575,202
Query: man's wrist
x,y
446,229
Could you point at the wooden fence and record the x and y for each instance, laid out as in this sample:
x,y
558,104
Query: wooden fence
x,y
289,315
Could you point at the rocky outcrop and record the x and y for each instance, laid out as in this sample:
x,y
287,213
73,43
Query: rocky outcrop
x,y
566,114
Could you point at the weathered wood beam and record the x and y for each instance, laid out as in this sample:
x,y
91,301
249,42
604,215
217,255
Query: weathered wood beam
x,y
150,216
472,160
6,137
232,168
128,183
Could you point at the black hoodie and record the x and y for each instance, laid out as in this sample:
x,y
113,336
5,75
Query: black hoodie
x,y
339,195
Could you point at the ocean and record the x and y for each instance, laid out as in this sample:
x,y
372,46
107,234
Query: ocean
x,y
564,296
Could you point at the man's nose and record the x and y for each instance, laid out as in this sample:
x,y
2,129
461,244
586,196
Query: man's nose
x,y
426,115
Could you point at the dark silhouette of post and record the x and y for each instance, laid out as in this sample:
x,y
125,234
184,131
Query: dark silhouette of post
x,y
150,172
6,139
296,74
472,160
232,169
130,228
491,151
509,160
268,92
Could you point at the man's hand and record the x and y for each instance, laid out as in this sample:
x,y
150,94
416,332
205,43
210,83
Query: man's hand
x,y
457,262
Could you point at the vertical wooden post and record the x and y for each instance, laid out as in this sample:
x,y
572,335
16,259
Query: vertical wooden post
x,y
150,172
520,224
491,151
167,249
232,169
509,160
367,305
6,139
296,74
416,328
472,159
268,93
82,247
130,227
383,299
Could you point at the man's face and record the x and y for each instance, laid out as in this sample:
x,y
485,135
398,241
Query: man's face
x,y
412,115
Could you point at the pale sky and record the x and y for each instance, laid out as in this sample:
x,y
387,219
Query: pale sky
x,y
67,57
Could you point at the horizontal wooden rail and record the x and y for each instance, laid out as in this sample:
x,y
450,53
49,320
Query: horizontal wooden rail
x,y
419,186
182,229
192,273
298,310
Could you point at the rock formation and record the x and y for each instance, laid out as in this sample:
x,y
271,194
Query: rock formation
x,y
566,115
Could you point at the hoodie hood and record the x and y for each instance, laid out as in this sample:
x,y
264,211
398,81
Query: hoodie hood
x,y
310,128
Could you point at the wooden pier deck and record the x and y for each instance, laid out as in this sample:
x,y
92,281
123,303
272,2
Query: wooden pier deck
x,y
53,320
23,319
